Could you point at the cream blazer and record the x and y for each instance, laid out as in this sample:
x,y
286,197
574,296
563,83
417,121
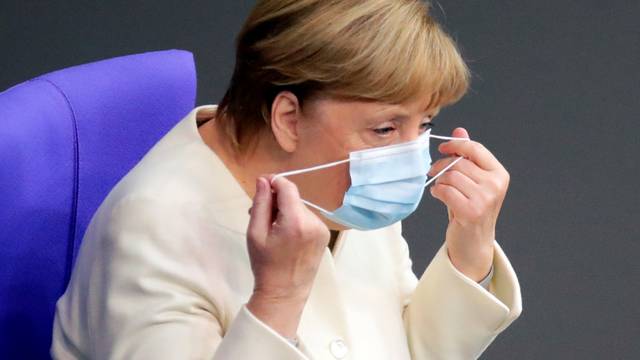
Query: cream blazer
x,y
163,273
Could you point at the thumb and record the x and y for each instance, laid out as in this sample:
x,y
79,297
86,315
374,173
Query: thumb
x,y
260,221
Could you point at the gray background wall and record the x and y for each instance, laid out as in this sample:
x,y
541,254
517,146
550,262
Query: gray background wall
x,y
555,97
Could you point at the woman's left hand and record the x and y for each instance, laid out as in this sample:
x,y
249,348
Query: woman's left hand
x,y
473,191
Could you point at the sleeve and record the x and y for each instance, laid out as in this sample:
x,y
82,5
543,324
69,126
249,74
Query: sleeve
x,y
447,315
250,338
487,279
145,294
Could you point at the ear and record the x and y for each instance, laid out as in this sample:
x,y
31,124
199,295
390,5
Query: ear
x,y
285,117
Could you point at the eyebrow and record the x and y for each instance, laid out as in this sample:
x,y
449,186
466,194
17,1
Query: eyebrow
x,y
402,115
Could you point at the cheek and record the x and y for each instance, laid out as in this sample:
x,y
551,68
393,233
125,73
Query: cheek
x,y
340,184
341,179
330,185
345,179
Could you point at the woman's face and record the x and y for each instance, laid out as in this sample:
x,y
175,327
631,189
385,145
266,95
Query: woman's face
x,y
328,130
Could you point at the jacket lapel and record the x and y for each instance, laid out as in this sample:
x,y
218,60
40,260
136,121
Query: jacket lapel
x,y
324,319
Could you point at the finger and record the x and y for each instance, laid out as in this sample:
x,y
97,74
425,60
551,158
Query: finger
x,y
440,164
287,195
450,196
472,150
260,221
465,166
460,181
460,132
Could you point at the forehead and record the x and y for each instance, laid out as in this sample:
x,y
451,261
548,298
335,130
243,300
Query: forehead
x,y
409,108
420,105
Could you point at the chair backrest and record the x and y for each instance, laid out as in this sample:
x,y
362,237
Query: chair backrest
x,y
66,138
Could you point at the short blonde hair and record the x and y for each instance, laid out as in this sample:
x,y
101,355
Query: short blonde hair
x,y
389,51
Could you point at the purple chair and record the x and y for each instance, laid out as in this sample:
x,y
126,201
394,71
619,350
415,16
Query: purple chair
x,y
66,138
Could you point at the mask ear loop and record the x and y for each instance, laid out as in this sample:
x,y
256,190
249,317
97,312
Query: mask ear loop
x,y
300,171
452,163
318,167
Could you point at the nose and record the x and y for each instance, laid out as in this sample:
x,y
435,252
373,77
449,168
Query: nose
x,y
411,135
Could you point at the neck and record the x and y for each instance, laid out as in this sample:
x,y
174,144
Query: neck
x,y
264,157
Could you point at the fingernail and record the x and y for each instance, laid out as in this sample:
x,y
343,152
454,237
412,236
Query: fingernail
x,y
259,185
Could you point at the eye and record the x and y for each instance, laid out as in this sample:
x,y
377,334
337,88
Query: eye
x,y
384,130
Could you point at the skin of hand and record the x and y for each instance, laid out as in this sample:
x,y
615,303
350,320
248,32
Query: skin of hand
x,y
286,242
473,191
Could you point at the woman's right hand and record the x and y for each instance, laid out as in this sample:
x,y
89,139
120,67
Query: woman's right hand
x,y
286,242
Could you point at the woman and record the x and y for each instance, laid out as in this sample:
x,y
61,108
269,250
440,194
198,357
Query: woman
x,y
269,227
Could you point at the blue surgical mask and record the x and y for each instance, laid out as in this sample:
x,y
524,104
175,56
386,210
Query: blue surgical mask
x,y
387,183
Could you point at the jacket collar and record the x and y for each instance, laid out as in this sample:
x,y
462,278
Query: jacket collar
x,y
227,199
